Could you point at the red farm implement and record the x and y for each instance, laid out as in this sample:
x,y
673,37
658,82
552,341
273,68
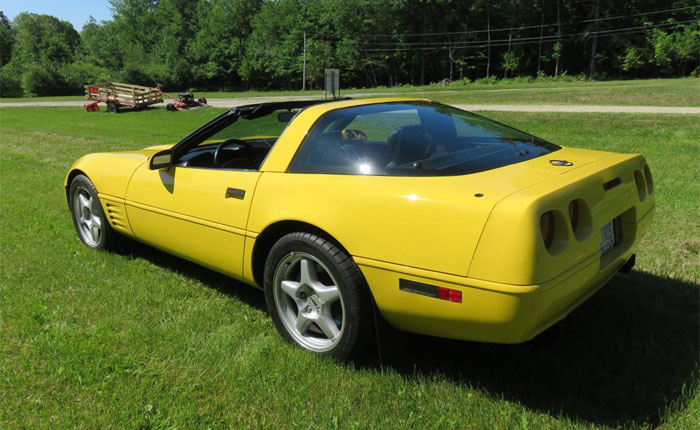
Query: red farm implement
x,y
184,101
117,95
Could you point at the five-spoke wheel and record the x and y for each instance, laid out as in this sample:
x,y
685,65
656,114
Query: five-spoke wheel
x,y
308,301
88,216
89,222
317,296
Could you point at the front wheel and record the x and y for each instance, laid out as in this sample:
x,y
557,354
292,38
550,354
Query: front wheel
x,y
317,296
88,217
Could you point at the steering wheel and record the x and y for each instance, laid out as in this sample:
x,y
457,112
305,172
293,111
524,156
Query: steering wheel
x,y
221,147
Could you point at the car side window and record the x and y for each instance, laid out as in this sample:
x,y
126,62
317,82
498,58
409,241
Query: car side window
x,y
242,145
376,127
352,144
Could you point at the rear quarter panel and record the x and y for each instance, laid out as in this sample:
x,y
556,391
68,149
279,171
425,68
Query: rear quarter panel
x,y
431,223
511,250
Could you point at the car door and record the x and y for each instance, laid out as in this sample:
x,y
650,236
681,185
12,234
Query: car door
x,y
197,213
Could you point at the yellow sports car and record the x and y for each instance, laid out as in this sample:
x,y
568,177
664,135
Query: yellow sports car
x,y
451,224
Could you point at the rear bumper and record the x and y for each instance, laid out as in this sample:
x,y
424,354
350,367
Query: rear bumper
x,y
492,312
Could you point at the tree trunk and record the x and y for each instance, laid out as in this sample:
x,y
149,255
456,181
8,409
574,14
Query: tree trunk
x,y
556,66
450,54
539,51
510,37
594,43
488,35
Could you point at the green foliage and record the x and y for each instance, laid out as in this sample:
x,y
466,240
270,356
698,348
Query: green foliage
x,y
7,40
41,79
10,81
633,60
44,39
244,44
76,75
488,80
510,63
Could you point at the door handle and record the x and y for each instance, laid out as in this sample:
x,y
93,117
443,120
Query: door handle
x,y
235,193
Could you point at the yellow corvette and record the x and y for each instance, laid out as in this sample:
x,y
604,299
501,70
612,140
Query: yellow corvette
x,y
452,224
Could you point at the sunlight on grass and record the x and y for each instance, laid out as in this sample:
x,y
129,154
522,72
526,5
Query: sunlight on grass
x,y
140,339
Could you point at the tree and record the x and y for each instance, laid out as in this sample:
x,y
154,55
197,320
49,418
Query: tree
x,y
7,40
44,45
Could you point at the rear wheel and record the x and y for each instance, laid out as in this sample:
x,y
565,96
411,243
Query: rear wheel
x,y
88,217
170,107
112,107
317,296
202,100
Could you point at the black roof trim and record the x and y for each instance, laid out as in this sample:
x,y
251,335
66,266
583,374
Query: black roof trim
x,y
228,117
261,109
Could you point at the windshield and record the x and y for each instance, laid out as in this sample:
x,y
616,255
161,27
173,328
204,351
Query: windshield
x,y
268,127
412,139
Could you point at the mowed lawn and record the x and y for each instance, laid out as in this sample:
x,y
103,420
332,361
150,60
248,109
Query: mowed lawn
x,y
649,92
140,339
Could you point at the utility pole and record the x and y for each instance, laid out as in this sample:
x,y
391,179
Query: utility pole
x,y
303,73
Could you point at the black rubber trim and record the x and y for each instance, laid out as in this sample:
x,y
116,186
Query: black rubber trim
x,y
418,288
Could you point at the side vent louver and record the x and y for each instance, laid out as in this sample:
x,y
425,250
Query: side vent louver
x,y
117,216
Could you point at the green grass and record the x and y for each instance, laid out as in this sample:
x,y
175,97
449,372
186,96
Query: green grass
x,y
140,339
653,92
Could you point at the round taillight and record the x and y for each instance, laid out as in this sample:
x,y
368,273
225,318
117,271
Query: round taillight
x,y
580,218
650,180
547,228
641,186
573,215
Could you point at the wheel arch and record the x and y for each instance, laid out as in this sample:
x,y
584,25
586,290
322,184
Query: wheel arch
x,y
69,178
273,232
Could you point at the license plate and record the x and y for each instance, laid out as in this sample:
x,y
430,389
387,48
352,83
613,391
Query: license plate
x,y
607,236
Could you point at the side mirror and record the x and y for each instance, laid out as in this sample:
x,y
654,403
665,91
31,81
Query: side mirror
x,y
160,160
285,116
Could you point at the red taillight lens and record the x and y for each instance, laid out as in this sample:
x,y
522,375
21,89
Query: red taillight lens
x,y
573,215
433,291
547,228
449,294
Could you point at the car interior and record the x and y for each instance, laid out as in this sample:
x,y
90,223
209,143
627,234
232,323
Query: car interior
x,y
236,154
426,143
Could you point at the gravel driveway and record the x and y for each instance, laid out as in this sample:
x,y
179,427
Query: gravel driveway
x,y
477,107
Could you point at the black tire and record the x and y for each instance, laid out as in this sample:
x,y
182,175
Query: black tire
x,y
112,107
356,329
106,239
202,100
170,107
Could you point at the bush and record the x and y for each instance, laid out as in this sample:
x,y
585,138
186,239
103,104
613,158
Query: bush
x,y
75,76
10,82
41,80
488,80
461,83
521,80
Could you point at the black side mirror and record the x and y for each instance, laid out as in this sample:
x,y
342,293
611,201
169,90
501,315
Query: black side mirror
x,y
160,160
285,116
